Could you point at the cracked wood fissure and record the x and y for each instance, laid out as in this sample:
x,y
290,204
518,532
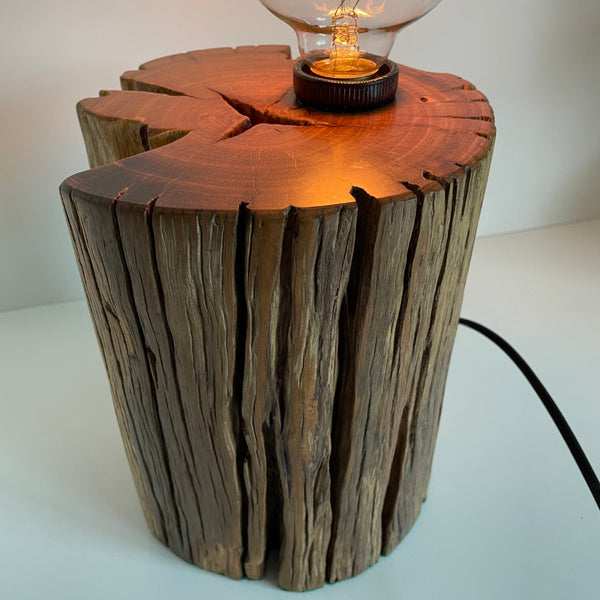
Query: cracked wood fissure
x,y
416,440
106,284
368,412
296,273
275,293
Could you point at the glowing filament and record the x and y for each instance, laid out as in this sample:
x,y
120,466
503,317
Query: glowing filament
x,y
344,60
345,35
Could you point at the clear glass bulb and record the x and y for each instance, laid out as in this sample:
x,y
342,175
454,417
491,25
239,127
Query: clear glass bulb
x,y
347,39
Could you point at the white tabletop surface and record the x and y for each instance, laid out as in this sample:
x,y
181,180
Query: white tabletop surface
x,y
508,514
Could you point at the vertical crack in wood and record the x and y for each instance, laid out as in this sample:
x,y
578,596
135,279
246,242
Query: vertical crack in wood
x,y
410,264
341,414
314,271
348,298
463,197
264,242
472,200
344,411
88,276
433,368
424,400
338,416
452,229
140,331
129,425
279,483
176,402
290,232
408,481
182,528
395,480
111,307
468,173
240,359
316,289
144,138
194,304
396,470
362,258
418,431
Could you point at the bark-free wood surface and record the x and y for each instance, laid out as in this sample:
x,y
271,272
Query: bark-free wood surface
x,y
276,292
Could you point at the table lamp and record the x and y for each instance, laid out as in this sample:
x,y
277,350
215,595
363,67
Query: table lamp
x,y
276,289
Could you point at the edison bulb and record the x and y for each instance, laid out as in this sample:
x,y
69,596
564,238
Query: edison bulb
x,y
347,39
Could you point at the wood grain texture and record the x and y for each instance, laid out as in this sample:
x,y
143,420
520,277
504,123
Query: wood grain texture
x,y
276,292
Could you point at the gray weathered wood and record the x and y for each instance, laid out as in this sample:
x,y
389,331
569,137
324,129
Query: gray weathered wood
x,y
276,293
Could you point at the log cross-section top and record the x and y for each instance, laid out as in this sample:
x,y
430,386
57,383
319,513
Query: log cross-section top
x,y
224,129
276,292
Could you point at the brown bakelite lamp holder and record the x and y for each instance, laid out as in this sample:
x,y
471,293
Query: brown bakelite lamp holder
x,y
345,94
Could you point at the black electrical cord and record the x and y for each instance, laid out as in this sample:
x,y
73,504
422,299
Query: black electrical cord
x,y
568,436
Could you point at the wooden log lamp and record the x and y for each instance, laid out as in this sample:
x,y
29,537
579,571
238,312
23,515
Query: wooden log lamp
x,y
276,289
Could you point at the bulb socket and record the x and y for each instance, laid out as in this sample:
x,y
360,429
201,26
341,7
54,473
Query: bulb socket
x,y
345,94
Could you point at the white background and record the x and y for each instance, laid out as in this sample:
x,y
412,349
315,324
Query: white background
x,y
537,60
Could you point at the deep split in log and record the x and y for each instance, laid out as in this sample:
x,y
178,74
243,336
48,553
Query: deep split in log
x,y
276,292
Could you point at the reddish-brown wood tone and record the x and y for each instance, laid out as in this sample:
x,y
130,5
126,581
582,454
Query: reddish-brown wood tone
x,y
276,292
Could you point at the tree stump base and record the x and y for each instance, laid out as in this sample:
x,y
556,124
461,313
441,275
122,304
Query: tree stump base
x,y
276,293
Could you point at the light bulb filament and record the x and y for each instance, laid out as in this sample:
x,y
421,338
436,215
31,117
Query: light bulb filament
x,y
344,44
344,59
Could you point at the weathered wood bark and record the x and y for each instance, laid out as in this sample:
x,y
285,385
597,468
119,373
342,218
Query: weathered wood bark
x,y
276,293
